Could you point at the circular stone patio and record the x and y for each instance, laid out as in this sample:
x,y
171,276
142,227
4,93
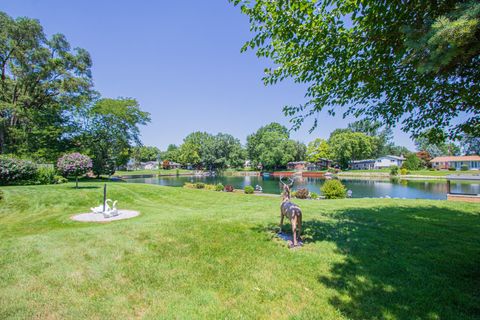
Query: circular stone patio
x,y
98,217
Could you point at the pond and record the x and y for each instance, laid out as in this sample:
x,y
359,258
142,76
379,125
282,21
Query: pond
x,y
361,188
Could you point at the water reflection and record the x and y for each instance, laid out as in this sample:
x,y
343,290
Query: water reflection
x,y
361,188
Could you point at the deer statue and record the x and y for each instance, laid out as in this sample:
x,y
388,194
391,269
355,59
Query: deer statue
x,y
291,211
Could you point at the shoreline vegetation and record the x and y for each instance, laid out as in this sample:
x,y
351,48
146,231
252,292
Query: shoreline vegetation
x,y
420,174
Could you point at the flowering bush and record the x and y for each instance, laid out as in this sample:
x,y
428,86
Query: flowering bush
x,y
228,188
74,164
13,171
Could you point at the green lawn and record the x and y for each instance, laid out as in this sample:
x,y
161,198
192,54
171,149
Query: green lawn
x,y
204,254
144,172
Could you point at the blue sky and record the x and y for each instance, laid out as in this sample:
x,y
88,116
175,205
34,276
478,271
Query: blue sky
x,y
181,60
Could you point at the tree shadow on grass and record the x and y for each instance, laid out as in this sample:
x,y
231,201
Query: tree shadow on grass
x,y
85,187
419,262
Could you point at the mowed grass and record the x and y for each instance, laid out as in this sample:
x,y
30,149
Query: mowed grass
x,y
203,254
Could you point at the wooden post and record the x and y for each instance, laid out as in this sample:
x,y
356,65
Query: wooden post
x,y
104,195
448,186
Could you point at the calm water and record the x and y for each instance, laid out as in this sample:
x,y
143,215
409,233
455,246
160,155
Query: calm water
x,y
360,188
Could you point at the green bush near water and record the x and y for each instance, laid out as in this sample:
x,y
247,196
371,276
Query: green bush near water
x,y
334,189
394,170
249,190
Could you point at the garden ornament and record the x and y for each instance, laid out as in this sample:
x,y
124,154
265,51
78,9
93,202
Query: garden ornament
x,y
291,211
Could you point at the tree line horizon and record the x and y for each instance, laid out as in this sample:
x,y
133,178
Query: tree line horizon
x,y
49,106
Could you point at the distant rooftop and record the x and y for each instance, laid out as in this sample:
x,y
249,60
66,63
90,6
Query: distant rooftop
x,y
455,158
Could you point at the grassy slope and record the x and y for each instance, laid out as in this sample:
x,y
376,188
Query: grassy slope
x,y
201,254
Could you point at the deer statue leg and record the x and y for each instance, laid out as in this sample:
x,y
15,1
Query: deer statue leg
x,y
294,230
299,226
281,222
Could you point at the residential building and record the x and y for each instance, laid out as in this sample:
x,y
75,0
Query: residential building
x,y
388,161
446,162
366,164
321,164
297,165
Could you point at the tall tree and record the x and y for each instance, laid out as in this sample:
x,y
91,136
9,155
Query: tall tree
x,y
41,80
350,146
110,129
436,149
145,153
383,136
272,147
470,145
415,62
318,149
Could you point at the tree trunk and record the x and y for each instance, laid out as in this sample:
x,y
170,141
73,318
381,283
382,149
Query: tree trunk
x,y
76,182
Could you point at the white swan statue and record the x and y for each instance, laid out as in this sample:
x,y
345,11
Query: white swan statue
x,y
111,212
99,209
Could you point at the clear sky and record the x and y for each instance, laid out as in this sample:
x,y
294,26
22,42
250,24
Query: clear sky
x,y
181,60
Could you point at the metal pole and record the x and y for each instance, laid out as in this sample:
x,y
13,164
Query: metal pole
x,y
104,195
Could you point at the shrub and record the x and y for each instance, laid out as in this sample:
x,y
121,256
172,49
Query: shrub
x,y
452,169
403,171
313,195
334,189
210,187
13,171
60,180
249,189
228,188
74,164
464,167
393,170
412,162
46,175
189,185
302,193
199,185
293,194
219,187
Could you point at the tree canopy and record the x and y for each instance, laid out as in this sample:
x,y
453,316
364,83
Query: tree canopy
x,y
41,80
414,63
272,147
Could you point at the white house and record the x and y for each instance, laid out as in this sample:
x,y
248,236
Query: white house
x,y
388,161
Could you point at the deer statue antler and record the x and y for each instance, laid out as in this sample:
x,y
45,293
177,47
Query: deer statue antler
x,y
287,184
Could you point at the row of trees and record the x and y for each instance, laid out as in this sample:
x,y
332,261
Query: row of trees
x,y
271,147
48,105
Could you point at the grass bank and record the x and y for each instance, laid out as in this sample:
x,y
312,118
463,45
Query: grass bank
x,y
201,254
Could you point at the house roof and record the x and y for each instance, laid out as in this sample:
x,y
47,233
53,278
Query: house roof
x,y
392,157
455,158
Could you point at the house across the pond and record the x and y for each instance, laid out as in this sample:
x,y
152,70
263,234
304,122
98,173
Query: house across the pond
x,y
379,163
321,164
297,165
388,161
366,164
471,162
